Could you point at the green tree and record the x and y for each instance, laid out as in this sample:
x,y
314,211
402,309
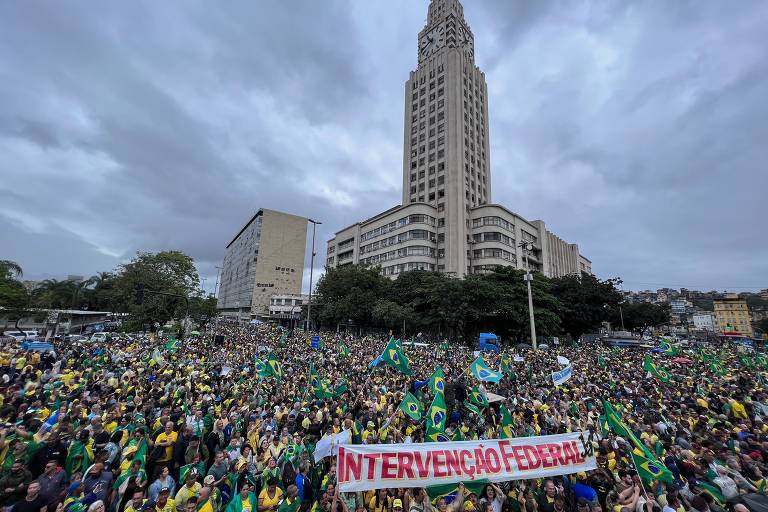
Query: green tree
x,y
170,272
348,293
641,315
585,302
13,294
509,315
391,315
56,294
202,309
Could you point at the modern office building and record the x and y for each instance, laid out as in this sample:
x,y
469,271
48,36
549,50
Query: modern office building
x,y
447,221
264,259
732,315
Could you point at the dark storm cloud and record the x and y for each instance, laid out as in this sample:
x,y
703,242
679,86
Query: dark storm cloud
x,y
636,129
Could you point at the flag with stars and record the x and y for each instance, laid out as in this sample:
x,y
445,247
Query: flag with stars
x,y
261,368
660,373
437,381
394,356
649,469
481,372
275,368
507,424
436,416
477,397
411,407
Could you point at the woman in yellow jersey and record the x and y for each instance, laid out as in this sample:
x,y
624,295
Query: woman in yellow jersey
x,y
270,496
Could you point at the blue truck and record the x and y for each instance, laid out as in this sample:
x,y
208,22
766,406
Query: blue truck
x,y
489,342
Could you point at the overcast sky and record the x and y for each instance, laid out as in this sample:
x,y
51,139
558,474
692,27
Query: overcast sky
x,y
638,130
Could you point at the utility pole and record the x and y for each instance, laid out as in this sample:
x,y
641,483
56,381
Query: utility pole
x,y
311,271
527,246
216,286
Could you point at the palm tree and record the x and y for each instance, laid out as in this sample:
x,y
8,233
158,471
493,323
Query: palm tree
x,y
10,270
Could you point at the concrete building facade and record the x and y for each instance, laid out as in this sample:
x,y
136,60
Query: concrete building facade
x,y
732,315
704,321
266,258
447,222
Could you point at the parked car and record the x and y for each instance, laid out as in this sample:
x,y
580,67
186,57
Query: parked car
x,y
22,335
99,337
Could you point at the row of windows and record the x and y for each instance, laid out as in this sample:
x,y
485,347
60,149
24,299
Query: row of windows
x,y
479,254
493,236
349,242
493,221
400,253
405,267
331,249
329,260
415,234
396,224
345,255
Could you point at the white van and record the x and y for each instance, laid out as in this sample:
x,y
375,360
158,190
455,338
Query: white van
x,y
22,335
99,337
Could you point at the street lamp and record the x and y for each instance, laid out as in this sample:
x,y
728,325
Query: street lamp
x,y
527,246
311,271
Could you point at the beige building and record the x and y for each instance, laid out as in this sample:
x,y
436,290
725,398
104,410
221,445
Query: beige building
x,y
447,221
265,259
732,315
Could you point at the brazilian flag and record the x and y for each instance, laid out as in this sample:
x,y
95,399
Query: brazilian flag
x,y
314,377
667,348
394,356
411,407
448,491
437,381
458,435
444,346
601,362
275,368
341,389
477,397
343,350
172,344
713,491
620,428
506,366
481,372
436,417
660,373
507,424
472,408
651,469
261,368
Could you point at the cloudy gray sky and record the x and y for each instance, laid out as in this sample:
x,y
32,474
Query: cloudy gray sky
x,y
637,129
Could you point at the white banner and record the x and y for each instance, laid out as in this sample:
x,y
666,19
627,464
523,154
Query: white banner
x,y
518,359
564,361
329,444
562,376
376,466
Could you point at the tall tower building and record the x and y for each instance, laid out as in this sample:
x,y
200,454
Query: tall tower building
x,y
446,158
447,222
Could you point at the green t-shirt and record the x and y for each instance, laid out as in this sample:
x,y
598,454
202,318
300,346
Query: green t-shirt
x,y
289,507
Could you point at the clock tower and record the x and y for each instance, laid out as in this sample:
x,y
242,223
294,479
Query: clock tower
x,y
446,158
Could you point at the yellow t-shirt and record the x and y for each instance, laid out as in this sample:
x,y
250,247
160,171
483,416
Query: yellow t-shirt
x,y
266,501
168,455
170,506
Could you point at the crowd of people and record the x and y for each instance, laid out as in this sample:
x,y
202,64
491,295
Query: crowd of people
x,y
141,423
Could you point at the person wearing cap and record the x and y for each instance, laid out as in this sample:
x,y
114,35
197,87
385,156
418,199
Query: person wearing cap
x,y
164,502
190,489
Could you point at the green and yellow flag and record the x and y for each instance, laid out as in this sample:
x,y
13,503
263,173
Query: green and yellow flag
x,y
477,397
411,407
651,469
507,425
394,356
437,381
343,350
660,373
275,368
481,372
261,368
436,417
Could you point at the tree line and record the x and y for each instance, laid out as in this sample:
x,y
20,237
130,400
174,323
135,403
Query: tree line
x,y
170,272
497,301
